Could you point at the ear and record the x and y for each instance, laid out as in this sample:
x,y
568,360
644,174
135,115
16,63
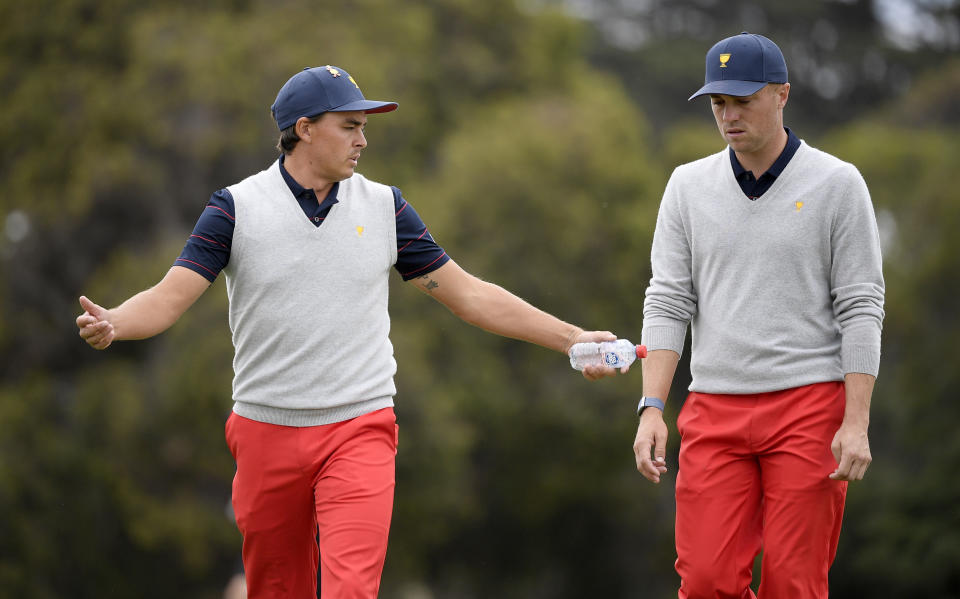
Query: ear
x,y
784,95
302,127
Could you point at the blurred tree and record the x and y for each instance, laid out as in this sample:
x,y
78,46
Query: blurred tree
x,y
535,498
518,144
844,56
153,107
900,538
115,473
136,112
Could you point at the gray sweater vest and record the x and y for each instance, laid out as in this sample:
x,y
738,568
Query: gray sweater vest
x,y
308,304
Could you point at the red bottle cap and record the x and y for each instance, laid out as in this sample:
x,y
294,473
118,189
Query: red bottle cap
x,y
641,351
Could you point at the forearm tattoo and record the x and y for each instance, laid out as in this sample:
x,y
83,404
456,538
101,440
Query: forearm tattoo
x,y
428,283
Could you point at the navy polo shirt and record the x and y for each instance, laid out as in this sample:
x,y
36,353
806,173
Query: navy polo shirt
x,y
207,251
754,188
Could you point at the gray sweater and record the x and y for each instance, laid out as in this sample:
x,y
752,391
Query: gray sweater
x,y
783,291
308,305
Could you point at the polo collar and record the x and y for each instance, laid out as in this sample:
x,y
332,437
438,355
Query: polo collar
x,y
299,191
793,142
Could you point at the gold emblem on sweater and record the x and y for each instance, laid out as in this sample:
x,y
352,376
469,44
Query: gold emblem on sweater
x,y
359,230
799,205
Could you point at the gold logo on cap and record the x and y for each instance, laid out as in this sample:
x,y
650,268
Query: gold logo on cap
x,y
723,60
334,71
350,77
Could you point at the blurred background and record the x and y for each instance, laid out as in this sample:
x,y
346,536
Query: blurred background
x,y
534,137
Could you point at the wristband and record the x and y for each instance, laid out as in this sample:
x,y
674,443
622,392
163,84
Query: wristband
x,y
649,402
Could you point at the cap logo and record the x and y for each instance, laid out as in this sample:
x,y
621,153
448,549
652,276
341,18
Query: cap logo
x,y
335,72
723,60
350,77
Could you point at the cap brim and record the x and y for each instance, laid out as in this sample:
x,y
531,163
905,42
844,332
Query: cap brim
x,y
729,88
368,106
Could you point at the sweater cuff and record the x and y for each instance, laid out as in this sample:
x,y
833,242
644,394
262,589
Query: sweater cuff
x,y
860,359
665,336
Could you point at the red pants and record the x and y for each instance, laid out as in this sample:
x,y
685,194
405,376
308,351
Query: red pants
x,y
295,485
754,474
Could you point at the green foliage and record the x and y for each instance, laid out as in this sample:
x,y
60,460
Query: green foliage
x,y
844,57
119,466
536,147
510,448
905,516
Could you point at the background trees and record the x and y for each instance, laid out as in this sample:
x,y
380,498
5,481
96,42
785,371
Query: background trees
x,y
534,138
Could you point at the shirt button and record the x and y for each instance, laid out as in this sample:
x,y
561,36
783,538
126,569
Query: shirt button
x,y
316,219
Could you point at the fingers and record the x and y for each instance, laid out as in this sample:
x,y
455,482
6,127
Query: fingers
x,y
86,319
836,448
94,324
641,451
843,470
91,307
596,336
105,339
852,453
651,469
862,468
851,470
857,470
595,373
852,466
98,334
660,447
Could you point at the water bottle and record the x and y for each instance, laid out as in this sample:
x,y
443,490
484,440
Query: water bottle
x,y
615,354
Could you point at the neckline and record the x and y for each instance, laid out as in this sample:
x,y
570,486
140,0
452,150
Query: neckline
x,y
291,204
771,193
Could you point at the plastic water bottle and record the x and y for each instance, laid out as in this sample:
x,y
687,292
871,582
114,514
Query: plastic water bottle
x,y
615,354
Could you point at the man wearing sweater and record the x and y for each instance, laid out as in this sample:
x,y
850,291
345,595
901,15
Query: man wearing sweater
x,y
769,249
307,246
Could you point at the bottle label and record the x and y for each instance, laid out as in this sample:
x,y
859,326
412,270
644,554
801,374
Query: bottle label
x,y
611,358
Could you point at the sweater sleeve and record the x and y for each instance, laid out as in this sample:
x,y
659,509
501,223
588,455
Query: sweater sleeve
x,y
671,300
856,276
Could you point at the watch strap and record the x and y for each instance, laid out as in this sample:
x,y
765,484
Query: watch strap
x,y
649,402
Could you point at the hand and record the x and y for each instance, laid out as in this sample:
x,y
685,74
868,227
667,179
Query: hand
x,y
651,436
851,449
95,326
594,373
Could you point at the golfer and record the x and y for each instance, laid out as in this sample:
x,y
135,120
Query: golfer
x,y
307,246
769,249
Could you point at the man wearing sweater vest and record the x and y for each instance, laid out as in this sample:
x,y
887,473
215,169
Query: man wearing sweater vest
x,y
769,249
307,246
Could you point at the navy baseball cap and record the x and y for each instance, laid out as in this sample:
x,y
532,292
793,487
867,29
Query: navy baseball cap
x,y
316,90
742,64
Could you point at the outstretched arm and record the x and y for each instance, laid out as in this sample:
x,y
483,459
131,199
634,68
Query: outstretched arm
x,y
494,309
146,314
